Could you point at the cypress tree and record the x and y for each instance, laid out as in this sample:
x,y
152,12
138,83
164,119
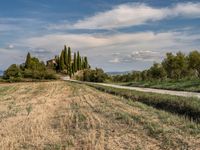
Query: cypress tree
x,y
85,63
28,60
75,63
69,56
80,59
73,71
70,71
62,64
78,62
57,58
65,56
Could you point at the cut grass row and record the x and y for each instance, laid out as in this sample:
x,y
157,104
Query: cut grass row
x,y
185,106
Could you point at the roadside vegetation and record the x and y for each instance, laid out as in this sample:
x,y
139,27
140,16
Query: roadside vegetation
x,y
187,107
175,72
92,75
180,85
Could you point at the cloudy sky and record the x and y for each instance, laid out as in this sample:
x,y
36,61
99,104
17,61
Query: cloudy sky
x,y
117,35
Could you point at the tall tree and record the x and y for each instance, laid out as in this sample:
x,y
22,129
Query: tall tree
x,y
70,71
75,63
65,56
73,71
57,59
78,61
62,64
69,56
194,61
85,63
28,61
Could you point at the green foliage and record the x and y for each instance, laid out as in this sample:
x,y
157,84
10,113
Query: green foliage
x,y
75,63
28,60
85,63
157,72
178,85
69,56
174,67
90,75
13,72
194,61
68,65
78,61
61,61
65,55
32,69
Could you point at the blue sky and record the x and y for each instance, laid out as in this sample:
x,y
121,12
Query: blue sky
x,y
117,35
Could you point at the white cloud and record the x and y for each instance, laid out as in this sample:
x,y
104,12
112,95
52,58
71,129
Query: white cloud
x,y
122,16
191,10
142,44
132,14
10,46
115,60
146,55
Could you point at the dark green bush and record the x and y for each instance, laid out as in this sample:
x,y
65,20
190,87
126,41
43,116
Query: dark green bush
x,y
96,75
12,72
50,75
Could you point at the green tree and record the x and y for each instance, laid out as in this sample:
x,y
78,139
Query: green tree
x,y
28,60
144,75
194,61
96,75
75,63
176,66
57,59
85,63
69,56
73,71
12,72
65,56
61,61
167,63
157,72
78,61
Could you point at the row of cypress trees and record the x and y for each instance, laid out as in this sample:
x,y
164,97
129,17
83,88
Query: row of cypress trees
x,y
70,65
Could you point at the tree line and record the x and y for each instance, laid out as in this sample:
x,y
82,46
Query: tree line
x,y
174,67
33,68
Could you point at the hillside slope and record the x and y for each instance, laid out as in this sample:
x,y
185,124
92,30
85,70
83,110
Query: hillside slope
x,y
62,115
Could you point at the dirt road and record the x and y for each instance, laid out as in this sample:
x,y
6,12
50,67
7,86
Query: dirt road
x,y
63,115
160,91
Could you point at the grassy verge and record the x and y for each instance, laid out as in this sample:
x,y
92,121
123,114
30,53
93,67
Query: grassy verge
x,y
182,85
188,107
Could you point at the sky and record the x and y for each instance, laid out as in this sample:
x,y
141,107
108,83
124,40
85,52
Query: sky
x,y
116,35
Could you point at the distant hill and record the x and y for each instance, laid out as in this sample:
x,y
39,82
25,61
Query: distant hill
x,y
118,73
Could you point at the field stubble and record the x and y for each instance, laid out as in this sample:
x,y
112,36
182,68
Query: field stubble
x,y
60,115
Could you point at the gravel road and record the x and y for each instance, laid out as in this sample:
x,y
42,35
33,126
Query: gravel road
x,y
160,91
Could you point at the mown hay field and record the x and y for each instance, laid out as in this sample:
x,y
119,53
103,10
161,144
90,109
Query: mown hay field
x,y
63,115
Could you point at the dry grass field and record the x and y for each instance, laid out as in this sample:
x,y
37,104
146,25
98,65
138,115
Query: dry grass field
x,y
61,115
